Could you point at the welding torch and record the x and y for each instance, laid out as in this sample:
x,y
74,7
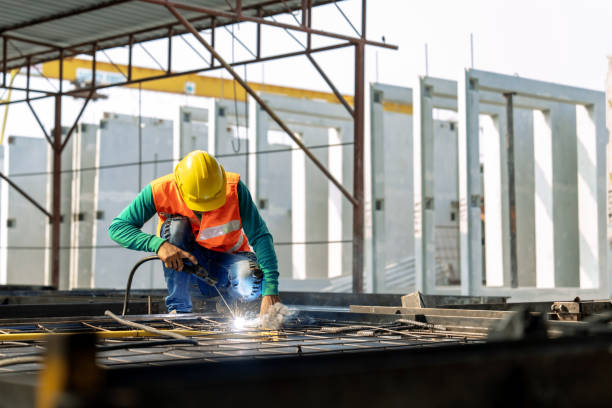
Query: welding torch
x,y
188,267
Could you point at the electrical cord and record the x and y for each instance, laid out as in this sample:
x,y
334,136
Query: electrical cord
x,y
129,282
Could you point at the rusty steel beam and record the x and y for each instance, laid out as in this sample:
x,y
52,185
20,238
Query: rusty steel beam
x,y
262,103
211,68
76,92
213,30
26,195
243,18
358,170
329,82
78,48
511,188
56,198
35,42
169,64
4,61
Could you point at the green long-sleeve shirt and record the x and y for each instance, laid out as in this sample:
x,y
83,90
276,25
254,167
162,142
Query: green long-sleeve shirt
x,y
126,231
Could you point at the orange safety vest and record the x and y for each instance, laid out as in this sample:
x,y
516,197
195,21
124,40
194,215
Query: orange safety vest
x,y
220,230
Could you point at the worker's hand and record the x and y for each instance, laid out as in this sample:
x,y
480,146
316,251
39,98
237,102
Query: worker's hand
x,y
172,256
266,302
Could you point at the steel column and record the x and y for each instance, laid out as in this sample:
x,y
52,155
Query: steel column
x,y
263,104
4,62
511,188
169,65
358,173
56,202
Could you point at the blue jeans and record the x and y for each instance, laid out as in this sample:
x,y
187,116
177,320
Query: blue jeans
x,y
238,275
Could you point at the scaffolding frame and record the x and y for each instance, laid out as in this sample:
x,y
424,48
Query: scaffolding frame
x,y
182,25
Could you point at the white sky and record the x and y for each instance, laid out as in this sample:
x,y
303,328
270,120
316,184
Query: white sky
x,y
564,41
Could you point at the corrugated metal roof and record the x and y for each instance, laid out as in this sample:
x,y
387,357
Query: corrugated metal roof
x,y
75,24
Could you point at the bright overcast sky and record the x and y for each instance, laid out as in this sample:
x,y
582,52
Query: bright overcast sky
x,y
560,41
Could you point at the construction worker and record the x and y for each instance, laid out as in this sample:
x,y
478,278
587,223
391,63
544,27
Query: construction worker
x,y
206,217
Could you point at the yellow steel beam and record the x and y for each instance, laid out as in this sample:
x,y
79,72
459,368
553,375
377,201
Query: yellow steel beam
x,y
200,85
6,107
114,334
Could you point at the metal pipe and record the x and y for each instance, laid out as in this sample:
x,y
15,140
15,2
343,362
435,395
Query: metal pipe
x,y
259,14
76,121
56,201
511,188
213,26
4,61
170,34
42,127
262,103
331,85
26,195
358,170
130,49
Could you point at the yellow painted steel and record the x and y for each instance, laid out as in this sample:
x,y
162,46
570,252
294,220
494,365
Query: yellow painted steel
x,y
201,85
114,334
6,107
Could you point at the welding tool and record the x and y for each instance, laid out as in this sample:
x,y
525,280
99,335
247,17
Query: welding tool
x,y
188,267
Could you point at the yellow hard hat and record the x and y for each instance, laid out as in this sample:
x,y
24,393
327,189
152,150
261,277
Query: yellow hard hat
x,y
201,181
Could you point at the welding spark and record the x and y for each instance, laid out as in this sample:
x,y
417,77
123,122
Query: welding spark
x,y
241,323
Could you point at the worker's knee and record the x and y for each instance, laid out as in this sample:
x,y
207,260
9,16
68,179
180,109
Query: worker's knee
x,y
177,231
245,278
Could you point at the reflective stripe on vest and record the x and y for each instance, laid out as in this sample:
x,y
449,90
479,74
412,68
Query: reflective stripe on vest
x,y
219,230
213,232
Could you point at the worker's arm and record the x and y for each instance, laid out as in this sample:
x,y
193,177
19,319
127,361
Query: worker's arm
x,y
260,239
125,229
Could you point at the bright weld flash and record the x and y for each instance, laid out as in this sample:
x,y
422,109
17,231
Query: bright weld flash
x,y
239,323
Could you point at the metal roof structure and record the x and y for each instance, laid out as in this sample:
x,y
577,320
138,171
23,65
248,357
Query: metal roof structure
x,y
50,30
40,29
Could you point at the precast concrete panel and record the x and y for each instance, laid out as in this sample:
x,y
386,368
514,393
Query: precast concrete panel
x,y
120,179
83,212
306,221
446,199
231,137
392,185
569,139
22,259
65,208
436,172
525,197
193,130
274,188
